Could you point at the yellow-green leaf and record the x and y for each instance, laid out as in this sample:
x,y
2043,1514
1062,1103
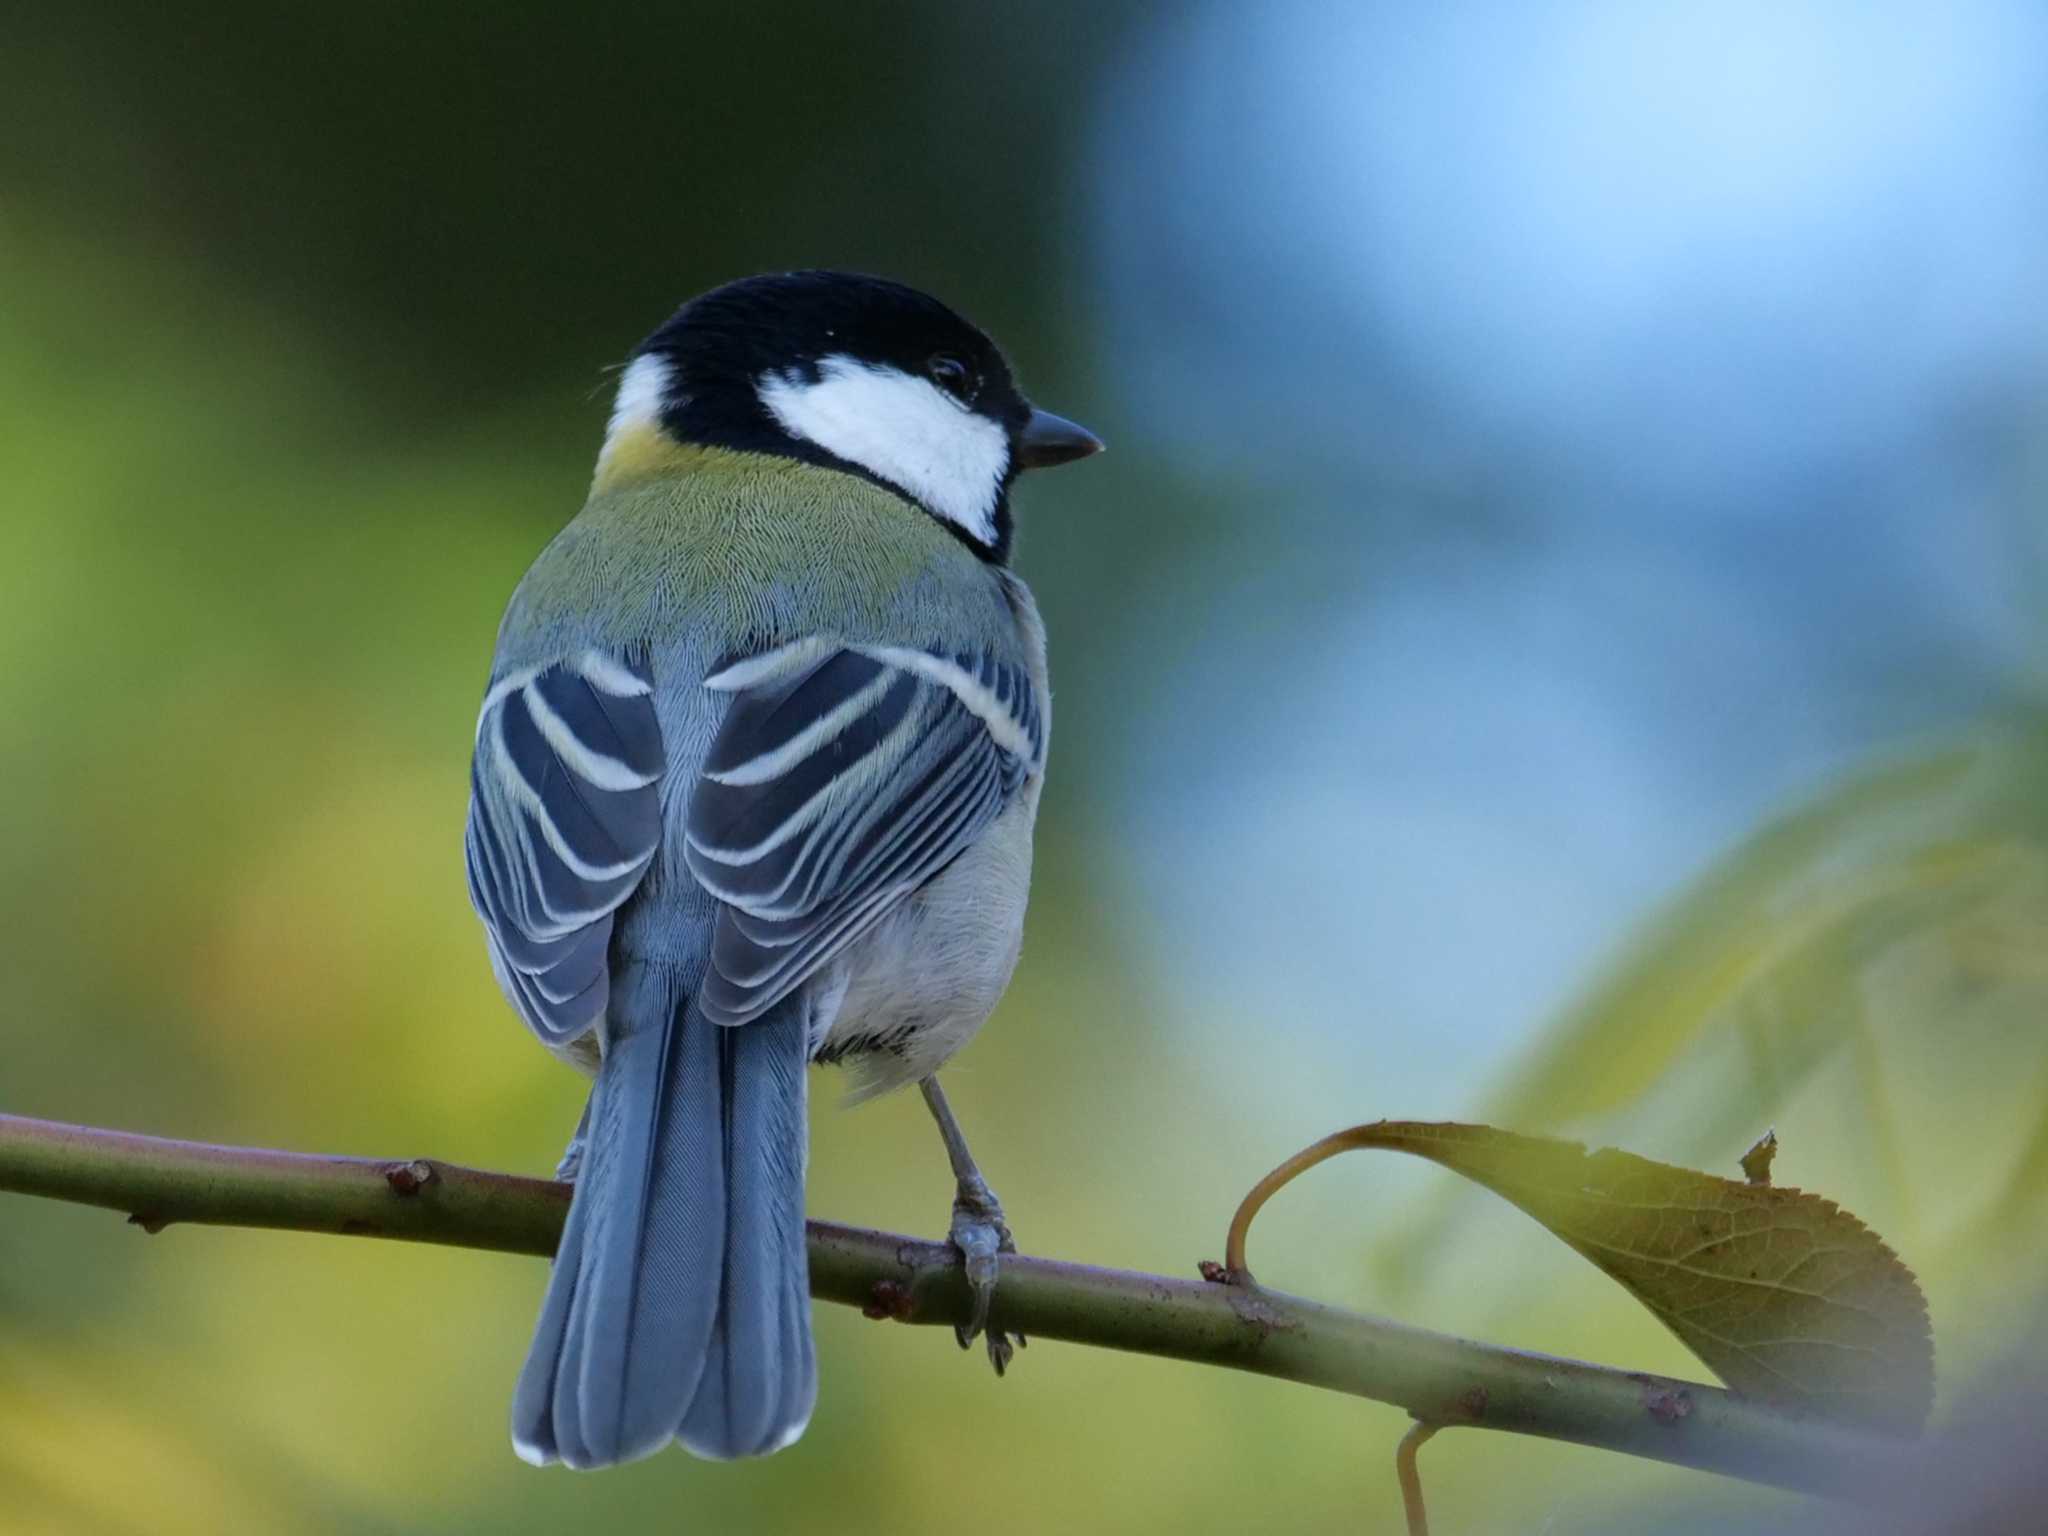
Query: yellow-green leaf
x,y
1783,1294
1778,944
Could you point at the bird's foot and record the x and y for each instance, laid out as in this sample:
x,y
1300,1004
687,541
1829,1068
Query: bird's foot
x,y
979,1233
571,1165
572,1156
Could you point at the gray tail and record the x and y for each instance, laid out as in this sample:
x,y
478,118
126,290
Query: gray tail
x,y
679,1305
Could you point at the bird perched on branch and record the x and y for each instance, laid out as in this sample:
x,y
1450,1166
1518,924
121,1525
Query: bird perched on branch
x,y
754,786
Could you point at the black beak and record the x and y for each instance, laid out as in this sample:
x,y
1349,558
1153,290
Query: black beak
x,y
1048,440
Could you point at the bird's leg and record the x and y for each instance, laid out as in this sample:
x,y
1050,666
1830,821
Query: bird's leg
x,y
572,1155
977,1230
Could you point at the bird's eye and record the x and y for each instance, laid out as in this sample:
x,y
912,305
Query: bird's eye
x,y
953,376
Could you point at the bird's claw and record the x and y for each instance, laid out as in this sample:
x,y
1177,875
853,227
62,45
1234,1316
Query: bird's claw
x,y
571,1165
979,1233
572,1156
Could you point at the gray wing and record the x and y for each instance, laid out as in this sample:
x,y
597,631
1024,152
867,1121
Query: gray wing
x,y
564,816
842,779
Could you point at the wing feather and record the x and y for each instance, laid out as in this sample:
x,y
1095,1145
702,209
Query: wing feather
x,y
564,818
842,779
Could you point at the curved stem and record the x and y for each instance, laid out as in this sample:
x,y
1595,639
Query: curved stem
x,y
1410,1476
1271,1185
1437,1378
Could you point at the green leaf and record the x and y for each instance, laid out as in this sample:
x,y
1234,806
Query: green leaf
x,y
1867,966
1784,1295
1777,944
1776,939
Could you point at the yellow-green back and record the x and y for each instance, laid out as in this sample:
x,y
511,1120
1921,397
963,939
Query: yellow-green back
x,y
681,543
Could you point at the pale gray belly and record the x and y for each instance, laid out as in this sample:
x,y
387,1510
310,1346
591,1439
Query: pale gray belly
x,y
914,989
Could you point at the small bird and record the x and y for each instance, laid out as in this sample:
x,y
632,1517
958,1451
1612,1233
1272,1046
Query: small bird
x,y
754,784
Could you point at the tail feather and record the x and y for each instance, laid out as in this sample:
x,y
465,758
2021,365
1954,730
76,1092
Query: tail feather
x,y
652,1265
762,1398
679,1302
533,1426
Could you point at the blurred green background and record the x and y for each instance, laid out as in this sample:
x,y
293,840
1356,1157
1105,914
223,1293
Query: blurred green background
x,y
1558,638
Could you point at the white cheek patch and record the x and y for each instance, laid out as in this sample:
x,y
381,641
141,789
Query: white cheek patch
x,y
905,430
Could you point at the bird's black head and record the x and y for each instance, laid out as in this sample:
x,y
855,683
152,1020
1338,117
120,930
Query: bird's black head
x,y
858,373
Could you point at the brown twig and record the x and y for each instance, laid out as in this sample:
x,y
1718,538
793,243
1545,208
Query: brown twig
x,y
1227,1321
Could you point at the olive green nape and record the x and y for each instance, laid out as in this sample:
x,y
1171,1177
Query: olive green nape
x,y
740,547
